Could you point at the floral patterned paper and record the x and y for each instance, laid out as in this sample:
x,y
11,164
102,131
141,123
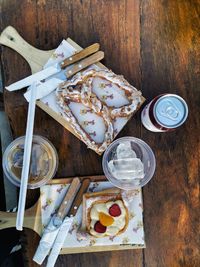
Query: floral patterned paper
x,y
51,198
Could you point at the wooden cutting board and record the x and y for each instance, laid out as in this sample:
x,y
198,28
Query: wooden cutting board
x,y
32,220
36,59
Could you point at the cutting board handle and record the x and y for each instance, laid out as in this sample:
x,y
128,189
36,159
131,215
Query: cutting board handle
x,y
32,218
36,58
7,219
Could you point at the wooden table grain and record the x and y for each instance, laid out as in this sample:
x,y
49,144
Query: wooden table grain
x,y
156,46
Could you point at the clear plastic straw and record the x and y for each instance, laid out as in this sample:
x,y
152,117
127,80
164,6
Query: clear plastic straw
x,y
26,159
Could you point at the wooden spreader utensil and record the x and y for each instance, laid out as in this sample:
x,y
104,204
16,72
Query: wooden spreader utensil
x,y
68,199
80,55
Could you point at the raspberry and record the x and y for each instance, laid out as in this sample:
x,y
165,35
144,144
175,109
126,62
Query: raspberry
x,y
99,228
115,210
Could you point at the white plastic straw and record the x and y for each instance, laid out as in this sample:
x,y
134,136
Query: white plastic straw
x,y
26,159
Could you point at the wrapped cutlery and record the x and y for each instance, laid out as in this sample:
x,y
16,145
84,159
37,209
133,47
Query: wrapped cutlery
x,y
66,225
52,229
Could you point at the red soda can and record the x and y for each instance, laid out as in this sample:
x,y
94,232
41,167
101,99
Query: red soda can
x,y
164,113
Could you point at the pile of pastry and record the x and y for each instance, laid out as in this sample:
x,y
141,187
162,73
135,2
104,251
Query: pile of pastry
x,y
97,104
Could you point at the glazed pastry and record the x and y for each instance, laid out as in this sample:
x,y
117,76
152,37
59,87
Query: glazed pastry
x,y
104,213
97,104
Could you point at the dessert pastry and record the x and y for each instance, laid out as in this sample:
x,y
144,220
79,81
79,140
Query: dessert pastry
x,y
104,213
97,104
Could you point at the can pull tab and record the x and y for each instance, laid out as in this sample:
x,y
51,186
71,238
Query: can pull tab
x,y
169,110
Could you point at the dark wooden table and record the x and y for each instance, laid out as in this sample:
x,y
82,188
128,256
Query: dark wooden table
x,y
156,46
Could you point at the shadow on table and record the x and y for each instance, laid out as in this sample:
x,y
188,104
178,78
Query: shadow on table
x,y
10,248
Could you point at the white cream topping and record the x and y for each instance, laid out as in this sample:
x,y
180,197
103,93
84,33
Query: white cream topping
x,y
119,221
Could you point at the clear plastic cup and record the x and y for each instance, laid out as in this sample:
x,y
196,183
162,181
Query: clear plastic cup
x,y
43,165
122,176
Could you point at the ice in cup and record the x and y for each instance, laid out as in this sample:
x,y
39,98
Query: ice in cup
x,y
128,163
125,163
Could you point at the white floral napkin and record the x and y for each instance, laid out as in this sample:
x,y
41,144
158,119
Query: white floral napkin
x,y
52,195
